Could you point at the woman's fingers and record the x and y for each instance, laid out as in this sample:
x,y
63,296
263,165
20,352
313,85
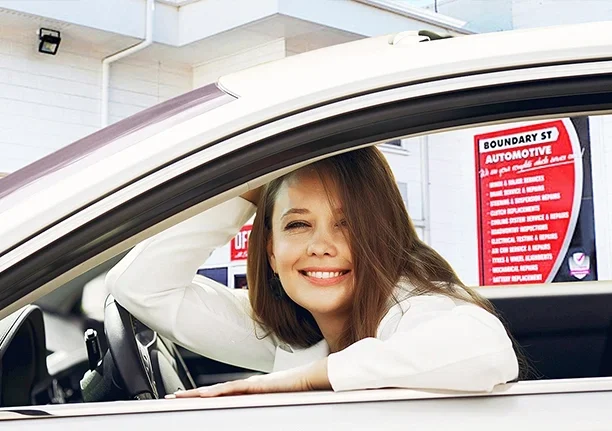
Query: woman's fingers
x,y
191,393
311,377
230,388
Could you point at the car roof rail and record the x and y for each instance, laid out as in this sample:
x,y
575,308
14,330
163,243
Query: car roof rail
x,y
414,36
433,35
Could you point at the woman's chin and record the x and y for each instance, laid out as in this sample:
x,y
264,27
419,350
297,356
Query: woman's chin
x,y
319,299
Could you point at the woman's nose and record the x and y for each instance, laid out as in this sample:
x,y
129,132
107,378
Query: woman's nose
x,y
322,243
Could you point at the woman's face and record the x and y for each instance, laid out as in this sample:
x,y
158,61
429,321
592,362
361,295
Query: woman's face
x,y
309,248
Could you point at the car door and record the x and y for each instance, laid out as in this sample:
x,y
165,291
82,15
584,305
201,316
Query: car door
x,y
374,117
218,169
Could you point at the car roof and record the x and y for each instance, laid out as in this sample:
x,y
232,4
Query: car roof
x,y
389,60
347,69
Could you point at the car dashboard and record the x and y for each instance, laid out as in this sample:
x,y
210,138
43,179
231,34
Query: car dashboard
x,y
44,360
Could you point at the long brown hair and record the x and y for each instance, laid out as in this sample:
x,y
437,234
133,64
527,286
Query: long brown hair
x,y
385,249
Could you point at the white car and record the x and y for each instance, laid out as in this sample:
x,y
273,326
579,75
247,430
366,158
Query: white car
x,y
69,217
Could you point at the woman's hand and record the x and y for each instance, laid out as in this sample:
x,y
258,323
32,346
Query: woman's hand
x,y
308,378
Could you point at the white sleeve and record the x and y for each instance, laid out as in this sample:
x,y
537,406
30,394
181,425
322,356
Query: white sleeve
x,y
157,282
437,345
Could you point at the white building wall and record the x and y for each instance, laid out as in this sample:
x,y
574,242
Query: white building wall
x,y
202,19
116,16
357,17
47,102
209,72
529,13
453,201
481,16
406,168
137,85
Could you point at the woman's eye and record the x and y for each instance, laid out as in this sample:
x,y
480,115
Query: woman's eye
x,y
295,225
342,223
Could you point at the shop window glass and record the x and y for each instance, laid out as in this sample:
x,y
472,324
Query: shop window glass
x,y
217,274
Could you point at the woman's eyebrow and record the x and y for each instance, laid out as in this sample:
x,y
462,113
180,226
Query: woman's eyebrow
x,y
290,211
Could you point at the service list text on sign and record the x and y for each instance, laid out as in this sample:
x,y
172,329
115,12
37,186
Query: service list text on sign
x,y
529,183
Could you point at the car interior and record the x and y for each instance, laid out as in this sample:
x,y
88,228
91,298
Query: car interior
x,y
45,352
561,337
52,352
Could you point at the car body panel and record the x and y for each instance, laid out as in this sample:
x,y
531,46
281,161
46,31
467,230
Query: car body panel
x,y
563,411
375,63
388,408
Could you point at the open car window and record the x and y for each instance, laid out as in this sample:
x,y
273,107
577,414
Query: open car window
x,y
507,205
521,211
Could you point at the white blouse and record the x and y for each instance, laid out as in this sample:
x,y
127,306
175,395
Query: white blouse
x,y
424,342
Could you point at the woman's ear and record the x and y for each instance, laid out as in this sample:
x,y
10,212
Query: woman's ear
x,y
270,251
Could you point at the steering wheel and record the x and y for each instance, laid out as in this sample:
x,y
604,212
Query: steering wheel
x,y
147,365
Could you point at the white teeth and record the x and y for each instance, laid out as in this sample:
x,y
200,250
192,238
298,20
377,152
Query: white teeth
x,y
321,274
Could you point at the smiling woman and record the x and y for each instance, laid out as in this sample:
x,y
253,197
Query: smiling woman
x,y
343,293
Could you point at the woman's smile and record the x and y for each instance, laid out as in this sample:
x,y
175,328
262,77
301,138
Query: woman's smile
x,y
325,277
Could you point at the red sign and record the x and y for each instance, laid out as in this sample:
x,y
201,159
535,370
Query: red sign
x,y
529,187
240,243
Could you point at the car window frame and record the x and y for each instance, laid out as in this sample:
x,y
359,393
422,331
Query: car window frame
x,y
333,107
501,102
